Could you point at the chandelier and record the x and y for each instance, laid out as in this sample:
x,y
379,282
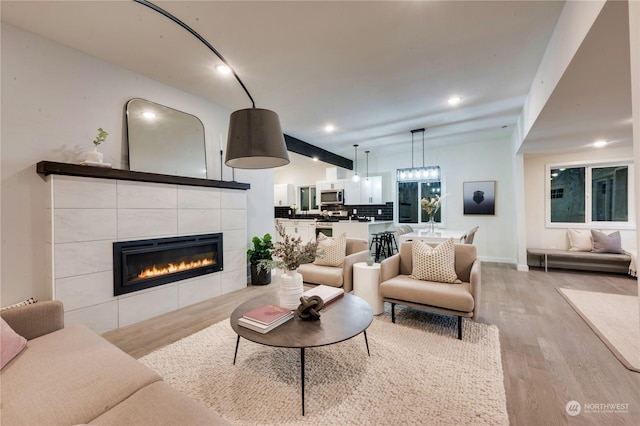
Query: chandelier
x,y
418,174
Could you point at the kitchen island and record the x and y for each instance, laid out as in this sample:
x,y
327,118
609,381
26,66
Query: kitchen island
x,y
305,228
362,230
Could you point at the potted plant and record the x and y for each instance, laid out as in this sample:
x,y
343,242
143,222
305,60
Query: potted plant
x,y
261,251
95,156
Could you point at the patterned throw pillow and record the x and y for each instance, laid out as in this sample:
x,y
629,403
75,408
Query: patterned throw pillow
x,y
331,251
29,301
434,263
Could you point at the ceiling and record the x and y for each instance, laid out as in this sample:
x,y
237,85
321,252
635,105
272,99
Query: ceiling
x,y
375,70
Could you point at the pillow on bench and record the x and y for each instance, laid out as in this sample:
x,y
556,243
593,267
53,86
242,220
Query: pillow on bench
x,y
580,240
603,243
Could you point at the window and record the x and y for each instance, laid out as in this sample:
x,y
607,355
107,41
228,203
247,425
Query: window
x,y
409,196
308,198
590,194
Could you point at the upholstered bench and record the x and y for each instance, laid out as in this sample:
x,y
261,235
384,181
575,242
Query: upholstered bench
x,y
582,260
589,250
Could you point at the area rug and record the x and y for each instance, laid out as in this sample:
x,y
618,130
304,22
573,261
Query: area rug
x,y
614,318
418,373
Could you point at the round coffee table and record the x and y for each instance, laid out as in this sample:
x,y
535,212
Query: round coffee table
x,y
340,320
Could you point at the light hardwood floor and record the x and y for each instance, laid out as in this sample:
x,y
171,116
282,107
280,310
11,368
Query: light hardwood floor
x,y
550,355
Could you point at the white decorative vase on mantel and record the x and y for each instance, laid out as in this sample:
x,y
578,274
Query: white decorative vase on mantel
x,y
94,156
291,289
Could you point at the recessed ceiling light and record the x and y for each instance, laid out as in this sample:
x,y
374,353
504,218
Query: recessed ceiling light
x,y
223,69
315,158
599,144
149,115
329,128
455,100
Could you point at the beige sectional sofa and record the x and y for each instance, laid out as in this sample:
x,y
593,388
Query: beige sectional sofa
x,y
70,376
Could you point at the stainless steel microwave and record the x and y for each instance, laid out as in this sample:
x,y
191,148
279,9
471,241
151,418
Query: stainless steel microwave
x,y
331,197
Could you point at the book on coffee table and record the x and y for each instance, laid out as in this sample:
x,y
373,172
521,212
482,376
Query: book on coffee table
x,y
263,328
267,314
327,293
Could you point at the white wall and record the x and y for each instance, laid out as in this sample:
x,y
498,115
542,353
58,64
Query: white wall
x,y
574,23
302,171
538,235
53,100
474,161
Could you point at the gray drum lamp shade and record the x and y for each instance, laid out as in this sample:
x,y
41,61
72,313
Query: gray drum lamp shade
x,y
255,140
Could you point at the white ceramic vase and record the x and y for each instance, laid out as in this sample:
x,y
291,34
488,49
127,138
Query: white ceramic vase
x,y
94,156
291,289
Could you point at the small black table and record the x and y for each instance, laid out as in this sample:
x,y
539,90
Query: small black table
x,y
340,320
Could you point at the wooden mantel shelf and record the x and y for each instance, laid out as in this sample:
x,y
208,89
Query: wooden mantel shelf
x,y
54,168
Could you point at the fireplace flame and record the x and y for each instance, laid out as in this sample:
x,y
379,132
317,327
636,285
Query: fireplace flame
x,y
173,267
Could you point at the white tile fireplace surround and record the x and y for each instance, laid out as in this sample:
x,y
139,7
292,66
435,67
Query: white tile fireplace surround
x,y
88,214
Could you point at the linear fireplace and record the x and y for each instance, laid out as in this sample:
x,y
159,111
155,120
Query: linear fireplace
x,y
148,263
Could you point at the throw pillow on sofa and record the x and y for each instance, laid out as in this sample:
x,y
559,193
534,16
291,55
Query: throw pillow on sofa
x,y
434,263
11,343
603,243
580,240
28,301
331,251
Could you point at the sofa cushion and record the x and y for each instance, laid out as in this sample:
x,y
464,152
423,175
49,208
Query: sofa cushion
x,y
318,274
580,240
434,263
70,376
331,251
603,243
11,343
456,297
159,404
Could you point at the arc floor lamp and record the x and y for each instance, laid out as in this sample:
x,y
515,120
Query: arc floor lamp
x,y
255,139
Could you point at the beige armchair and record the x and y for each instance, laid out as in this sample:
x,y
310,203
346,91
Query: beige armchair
x,y
337,276
461,300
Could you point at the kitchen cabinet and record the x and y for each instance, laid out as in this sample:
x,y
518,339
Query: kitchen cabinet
x,y
302,228
284,194
352,193
330,184
364,191
371,190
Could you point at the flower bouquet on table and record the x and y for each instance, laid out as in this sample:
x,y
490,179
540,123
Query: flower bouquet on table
x,y
289,253
431,207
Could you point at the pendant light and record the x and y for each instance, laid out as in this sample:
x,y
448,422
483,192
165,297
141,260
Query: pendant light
x,y
367,152
424,173
356,178
255,139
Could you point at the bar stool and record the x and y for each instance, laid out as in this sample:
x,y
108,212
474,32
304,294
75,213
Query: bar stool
x,y
379,241
391,242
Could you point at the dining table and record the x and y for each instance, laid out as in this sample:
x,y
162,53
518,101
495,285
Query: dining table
x,y
436,236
